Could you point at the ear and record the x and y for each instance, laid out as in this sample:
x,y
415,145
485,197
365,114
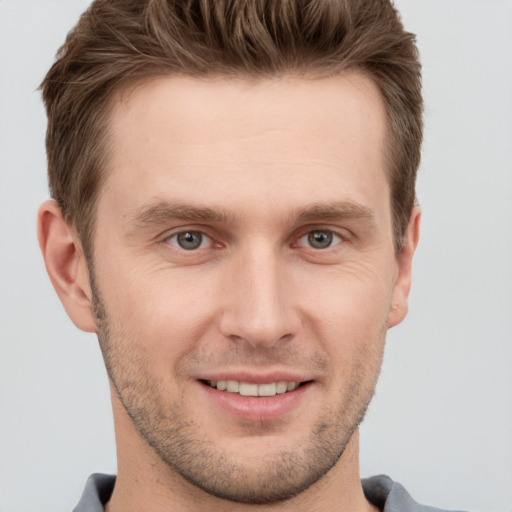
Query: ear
x,y
402,286
66,265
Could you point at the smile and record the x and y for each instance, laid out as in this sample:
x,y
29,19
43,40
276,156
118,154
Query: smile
x,y
249,389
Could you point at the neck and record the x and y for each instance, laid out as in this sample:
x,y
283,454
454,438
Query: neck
x,y
144,482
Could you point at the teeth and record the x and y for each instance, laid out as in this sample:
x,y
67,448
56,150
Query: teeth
x,y
267,389
232,386
291,386
248,389
281,387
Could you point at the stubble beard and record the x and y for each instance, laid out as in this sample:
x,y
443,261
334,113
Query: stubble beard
x,y
193,455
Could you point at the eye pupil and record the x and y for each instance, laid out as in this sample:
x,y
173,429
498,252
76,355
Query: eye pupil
x,y
189,240
320,239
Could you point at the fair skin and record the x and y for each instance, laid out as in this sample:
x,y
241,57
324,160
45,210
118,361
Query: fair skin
x,y
244,234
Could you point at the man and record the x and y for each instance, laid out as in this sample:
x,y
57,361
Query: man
x,y
234,216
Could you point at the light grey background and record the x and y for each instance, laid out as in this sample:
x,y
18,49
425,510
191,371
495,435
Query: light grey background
x,y
441,422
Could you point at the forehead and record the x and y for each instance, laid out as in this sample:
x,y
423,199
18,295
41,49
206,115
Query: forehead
x,y
223,137
185,106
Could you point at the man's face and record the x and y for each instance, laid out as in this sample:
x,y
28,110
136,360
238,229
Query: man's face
x,y
244,240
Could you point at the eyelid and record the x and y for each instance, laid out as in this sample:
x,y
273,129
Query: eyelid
x,y
174,232
342,234
205,240
336,240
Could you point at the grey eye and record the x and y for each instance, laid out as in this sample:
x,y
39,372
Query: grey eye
x,y
189,240
320,239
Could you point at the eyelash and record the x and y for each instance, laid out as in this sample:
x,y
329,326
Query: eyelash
x,y
188,232
206,239
329,232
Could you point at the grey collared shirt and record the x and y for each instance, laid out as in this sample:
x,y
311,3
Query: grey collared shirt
x,y
380,490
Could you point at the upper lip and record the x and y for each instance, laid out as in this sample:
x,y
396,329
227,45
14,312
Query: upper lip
x,y
256,377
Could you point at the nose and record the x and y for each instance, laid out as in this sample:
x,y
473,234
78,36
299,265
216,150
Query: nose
x,y
259,300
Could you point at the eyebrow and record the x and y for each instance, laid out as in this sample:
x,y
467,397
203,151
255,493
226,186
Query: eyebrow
x,y
335,211
162,211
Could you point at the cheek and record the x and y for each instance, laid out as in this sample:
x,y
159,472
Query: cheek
x,y
354,296
349,314
161,314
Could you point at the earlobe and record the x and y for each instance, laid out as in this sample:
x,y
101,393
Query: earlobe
x,y
65,264
402,286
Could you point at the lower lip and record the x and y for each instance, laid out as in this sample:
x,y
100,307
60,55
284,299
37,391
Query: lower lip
x,y
254,408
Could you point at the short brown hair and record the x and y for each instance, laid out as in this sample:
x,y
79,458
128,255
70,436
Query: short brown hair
x,y
117,42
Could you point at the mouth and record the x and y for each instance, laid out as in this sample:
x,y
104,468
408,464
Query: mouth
x,y
255,390
258,398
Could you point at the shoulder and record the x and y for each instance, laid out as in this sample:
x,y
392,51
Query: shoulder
x,y
390,496
97,492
